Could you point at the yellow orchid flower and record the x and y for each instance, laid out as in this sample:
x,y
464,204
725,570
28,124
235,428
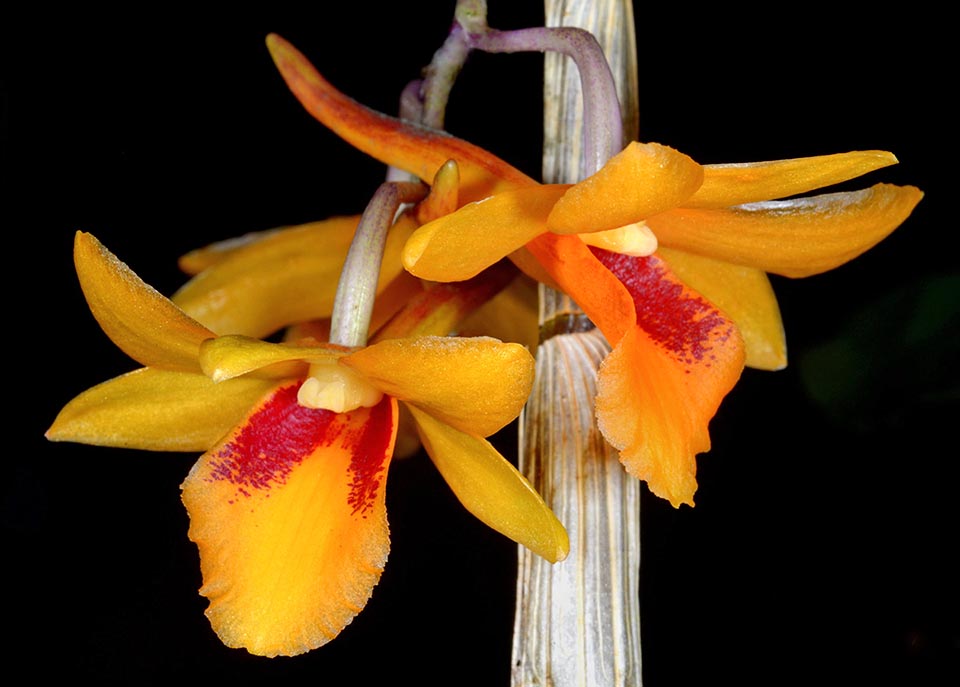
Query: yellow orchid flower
x,y
683,297
286,504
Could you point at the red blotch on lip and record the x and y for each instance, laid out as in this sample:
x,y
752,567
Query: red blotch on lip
x,y
372,451
674,316
281,434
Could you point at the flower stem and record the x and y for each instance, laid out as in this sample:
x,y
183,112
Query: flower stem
x,y
602,120
601,107
357,288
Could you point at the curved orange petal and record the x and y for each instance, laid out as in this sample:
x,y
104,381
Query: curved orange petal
x,y
143,323
285,277
476,385
663,382
492,489
461,245
641,180
795,238
288,513
416,149
157,410
736,184
745,295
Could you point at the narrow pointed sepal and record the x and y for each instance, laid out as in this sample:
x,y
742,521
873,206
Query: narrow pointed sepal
x,y
735,184
288,514
283,277
415,149
492,489
157,410
793,238
142,322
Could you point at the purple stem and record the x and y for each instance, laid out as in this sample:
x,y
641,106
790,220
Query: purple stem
x,y
441,73
603,126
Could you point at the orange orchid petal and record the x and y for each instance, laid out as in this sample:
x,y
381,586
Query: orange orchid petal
x,y
641,180
288,513
476,385
663,382
157,410
745,295
492,489
143,323
795,238
592,286
736,184
226,357
461,245
416,149
287,276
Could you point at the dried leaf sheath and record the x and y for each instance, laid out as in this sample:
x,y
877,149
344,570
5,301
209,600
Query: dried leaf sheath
x,y
576,621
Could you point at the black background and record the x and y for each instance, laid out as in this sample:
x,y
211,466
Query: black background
x,y
822,546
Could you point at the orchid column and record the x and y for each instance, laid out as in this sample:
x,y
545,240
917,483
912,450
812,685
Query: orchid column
x,y
577,622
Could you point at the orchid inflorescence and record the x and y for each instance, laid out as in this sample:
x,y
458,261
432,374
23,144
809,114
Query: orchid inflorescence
x,y
301,360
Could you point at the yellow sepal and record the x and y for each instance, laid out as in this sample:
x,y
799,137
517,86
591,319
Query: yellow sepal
x,y
143,323
157,410
492,489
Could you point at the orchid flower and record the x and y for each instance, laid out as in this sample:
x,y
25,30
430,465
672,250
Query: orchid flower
x,y
287,502
676,280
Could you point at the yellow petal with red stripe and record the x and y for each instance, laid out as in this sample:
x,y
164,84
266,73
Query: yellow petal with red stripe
x,y
663,382
288,513
736,184
641,180
461,245
157,410
416,149
745,295
476,385
285,277
492,489
795,238
143,323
